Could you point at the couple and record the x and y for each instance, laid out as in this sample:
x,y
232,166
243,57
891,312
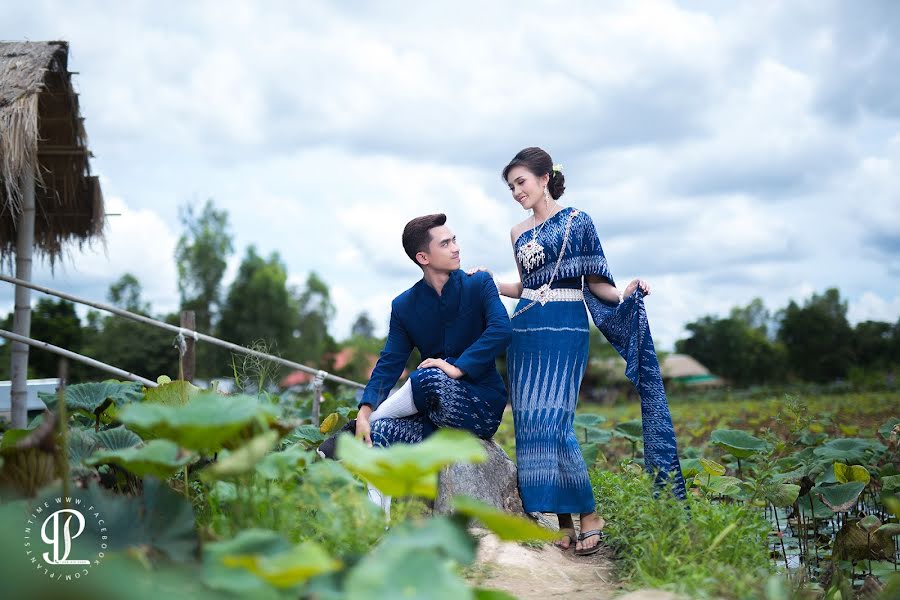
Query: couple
x,y
459,325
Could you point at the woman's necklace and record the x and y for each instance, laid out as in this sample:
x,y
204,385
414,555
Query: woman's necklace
x,y
531,253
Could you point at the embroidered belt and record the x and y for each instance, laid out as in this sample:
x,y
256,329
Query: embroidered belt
x,y
545,294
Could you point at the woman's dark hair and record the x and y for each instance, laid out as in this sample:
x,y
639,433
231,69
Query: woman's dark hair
x,y
538,163
417,236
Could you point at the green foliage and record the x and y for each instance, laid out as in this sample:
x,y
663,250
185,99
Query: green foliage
x,y
201,258
737,348
207,423
410,470
816,337
738,443
507,527
158,458
701,549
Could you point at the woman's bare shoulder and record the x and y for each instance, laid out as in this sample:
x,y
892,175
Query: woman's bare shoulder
x,y
519,228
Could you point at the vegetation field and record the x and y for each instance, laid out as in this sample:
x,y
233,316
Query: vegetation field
x,y
209,495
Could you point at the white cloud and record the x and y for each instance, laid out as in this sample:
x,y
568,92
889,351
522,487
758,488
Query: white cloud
x,y
724,151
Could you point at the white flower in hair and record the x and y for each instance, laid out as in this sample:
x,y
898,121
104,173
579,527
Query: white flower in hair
x,y
557,168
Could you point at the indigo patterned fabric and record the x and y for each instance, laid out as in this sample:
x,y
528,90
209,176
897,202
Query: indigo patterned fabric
x,y
466,325
546,363
627,329
547,360
443,402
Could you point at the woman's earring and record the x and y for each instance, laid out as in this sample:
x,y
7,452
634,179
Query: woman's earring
x,y
546,196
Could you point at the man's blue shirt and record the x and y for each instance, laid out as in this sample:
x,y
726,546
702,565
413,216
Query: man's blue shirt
x,y
466,325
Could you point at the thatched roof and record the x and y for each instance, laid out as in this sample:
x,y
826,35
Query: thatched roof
x,y
677,367
41,129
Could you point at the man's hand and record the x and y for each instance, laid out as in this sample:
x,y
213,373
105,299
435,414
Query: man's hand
x,y
363,428
479,269
451,371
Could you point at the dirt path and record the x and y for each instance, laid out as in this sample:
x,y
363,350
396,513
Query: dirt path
x,y
545,572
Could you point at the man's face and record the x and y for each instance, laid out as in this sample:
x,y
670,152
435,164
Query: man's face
x,y
443,253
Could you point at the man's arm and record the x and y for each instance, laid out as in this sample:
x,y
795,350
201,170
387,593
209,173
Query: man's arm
x,y
480,356
390,364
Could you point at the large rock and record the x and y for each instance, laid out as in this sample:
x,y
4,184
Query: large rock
x,y
493,482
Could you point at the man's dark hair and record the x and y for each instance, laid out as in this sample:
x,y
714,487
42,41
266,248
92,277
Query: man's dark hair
x,y
416,236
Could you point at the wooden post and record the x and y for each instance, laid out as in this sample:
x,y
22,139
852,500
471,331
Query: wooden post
x,y
189,360
22,312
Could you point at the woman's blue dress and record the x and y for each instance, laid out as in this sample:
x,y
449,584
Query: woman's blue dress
x,y
547,360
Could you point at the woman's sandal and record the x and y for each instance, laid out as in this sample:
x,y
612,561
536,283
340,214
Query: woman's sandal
x,y
567,532
585,535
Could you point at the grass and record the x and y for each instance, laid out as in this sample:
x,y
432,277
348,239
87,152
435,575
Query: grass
x,y
696,548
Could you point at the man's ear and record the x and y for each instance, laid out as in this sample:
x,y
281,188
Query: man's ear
x,y
422,258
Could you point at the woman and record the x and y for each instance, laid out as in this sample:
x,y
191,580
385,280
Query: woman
x,y
561,265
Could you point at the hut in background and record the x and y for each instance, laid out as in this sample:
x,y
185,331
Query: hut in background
x,y
48,197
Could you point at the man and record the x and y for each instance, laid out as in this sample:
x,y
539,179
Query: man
x,y
459,326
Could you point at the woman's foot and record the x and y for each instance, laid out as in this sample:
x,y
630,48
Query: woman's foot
x,y
568,538
588,541
567,531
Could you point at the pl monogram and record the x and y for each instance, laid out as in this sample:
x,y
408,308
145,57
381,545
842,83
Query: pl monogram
x,y
59,524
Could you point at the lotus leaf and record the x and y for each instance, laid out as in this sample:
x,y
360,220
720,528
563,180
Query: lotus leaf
x,y
712,467
405,470
783,494
415,574
160,518
690,467
508,527
847,473
849,450
841,497
243,459
171,393
890,483
630,430
722,485
889,529
739,444
885,430
159,458
238,580
588,420
116,438
94,398
207,423
869,523
286,569
308,435
284,464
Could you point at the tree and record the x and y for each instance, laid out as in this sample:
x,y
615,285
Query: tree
x,y
875,344
315,312
362,327
736,347
201,257
135,347
818,337
259,307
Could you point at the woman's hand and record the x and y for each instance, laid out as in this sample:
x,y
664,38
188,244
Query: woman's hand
x,y
645,287
477,269
439,363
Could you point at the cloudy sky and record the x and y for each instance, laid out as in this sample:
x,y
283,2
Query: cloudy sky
x,y
724,150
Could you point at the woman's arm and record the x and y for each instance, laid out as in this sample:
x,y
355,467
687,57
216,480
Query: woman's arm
x,y
604,290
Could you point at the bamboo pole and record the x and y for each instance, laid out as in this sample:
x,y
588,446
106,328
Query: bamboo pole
x,y
188,359
175,329
22,312
75,356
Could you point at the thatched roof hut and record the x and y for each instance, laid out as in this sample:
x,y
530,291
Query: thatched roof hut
x,y
42,131
677,368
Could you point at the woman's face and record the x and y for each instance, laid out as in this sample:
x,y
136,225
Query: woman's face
x,y
527,188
